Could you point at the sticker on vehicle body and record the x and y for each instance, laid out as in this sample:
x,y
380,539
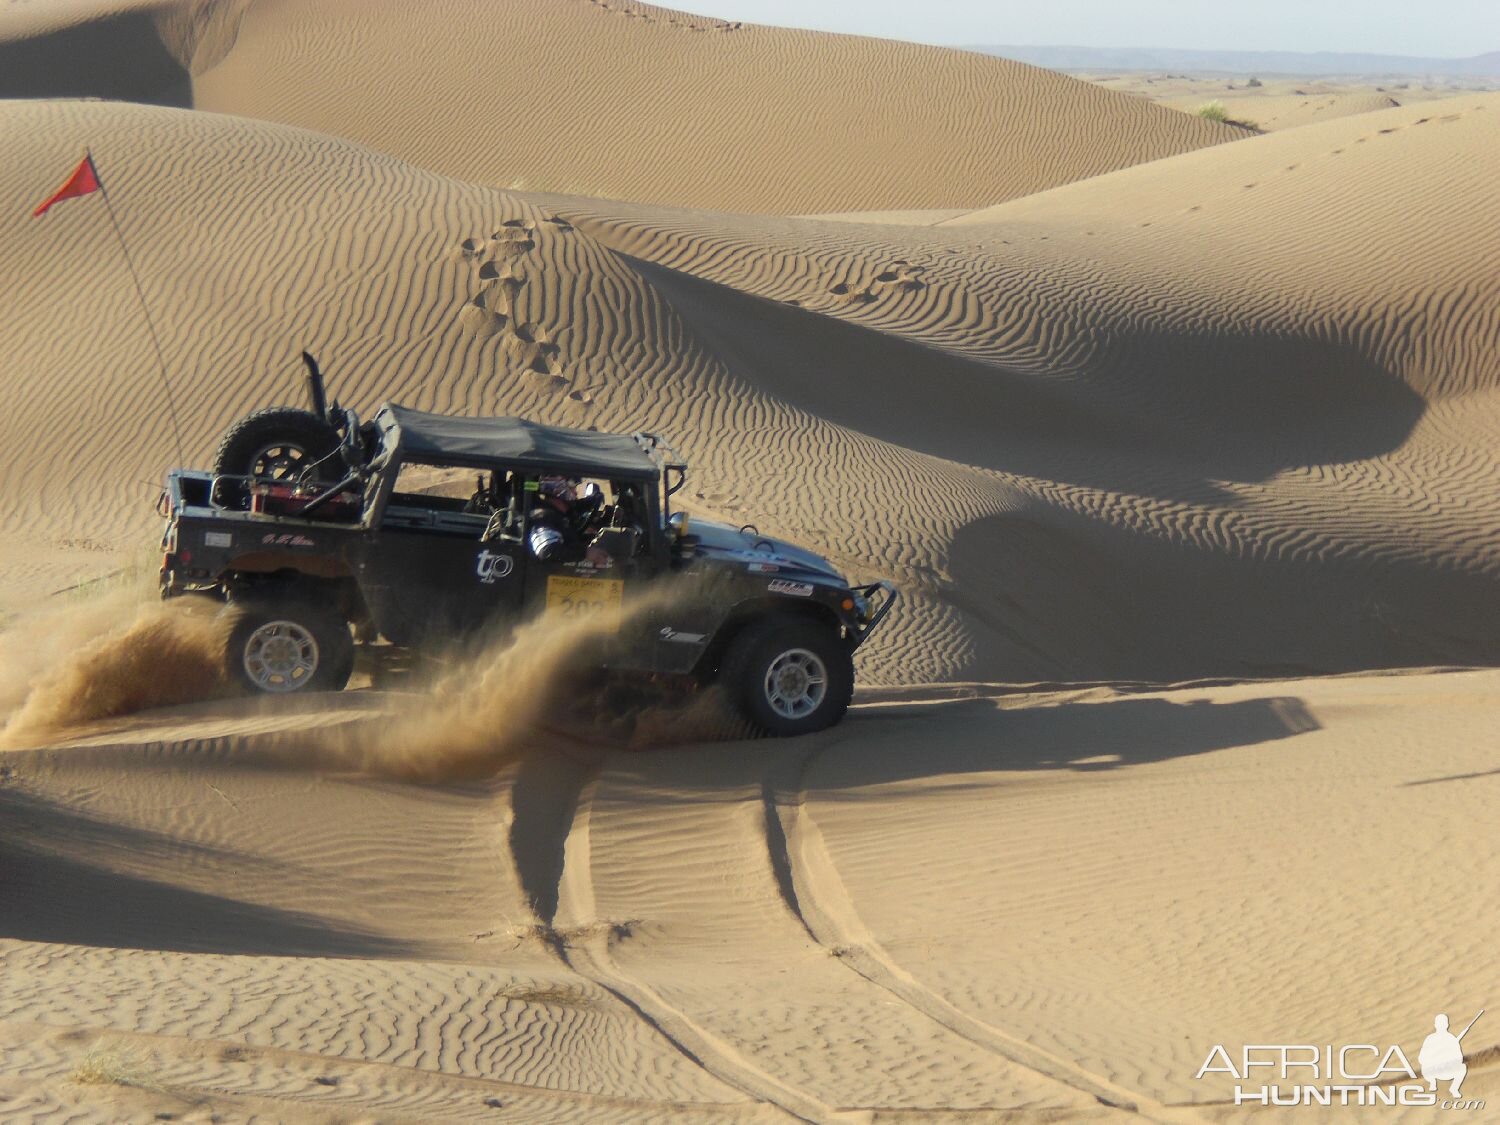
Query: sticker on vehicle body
x,y
218,539
762,568
490,566
290,539
578,597
670,634
795,589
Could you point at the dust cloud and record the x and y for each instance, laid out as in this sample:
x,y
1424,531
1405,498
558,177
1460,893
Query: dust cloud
x,y
536,691
106,655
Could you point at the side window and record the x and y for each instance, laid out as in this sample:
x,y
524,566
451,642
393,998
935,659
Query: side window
x,y
569,519
502,496
620,532
449,500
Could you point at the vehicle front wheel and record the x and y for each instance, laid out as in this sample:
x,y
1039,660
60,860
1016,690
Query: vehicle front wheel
x,y
788,677
282,647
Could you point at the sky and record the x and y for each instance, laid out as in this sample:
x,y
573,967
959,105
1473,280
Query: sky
x,y
1436,28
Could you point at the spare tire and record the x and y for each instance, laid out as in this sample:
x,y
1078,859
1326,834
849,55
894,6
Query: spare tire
x,y
280,444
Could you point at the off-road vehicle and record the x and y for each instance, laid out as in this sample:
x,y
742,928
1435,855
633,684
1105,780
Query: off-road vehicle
x,y
319,531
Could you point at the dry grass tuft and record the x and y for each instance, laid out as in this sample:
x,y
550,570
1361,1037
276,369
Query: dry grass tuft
x,y
114,1065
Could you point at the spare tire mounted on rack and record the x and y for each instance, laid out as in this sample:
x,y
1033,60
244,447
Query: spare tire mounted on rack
x,y
281,444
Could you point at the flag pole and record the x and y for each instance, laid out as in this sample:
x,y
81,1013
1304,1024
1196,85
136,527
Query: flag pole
x,y
161,362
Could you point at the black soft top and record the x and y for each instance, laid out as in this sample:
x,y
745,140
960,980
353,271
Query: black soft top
x,y
515,443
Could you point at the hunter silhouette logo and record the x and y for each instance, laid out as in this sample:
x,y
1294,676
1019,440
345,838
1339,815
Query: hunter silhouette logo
x,y
1442,1055
1307,1074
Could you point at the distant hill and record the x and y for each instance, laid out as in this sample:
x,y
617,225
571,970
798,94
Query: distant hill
x,y
1247,62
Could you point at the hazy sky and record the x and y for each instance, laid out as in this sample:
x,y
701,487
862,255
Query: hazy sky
x,y
1442,28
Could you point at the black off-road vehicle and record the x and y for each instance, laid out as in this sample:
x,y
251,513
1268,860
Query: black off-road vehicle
x,y
321,531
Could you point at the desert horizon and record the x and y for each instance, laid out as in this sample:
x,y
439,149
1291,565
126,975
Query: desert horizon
x,y
1165,403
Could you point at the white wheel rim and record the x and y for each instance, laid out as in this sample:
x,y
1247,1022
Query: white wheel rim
x,y
796,683
280,656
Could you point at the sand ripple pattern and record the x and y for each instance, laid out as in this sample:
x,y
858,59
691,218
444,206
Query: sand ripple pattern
x,y
696,111
1085,446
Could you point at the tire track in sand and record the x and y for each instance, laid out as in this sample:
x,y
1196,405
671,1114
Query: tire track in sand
x,y
569,924
815,894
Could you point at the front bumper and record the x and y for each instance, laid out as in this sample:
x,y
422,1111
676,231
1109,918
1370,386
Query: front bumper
x,y
887,595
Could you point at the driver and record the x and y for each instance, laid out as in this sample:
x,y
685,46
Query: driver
x,y
556,522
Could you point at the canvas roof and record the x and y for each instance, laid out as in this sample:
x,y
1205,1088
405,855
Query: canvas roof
x,y
516,443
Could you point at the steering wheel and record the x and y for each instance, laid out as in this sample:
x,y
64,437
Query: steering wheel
x,y
584,509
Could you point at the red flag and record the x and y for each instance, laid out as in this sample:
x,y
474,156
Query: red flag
x,y
83,181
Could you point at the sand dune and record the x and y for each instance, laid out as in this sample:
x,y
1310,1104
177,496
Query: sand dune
x,y
1013,923
696,111
1076,439
1150,430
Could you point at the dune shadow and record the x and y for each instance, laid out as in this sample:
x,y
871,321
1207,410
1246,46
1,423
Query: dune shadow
x,y
941,744
121,58
1168,414
544,801
1064,596
71,878
1475,776
1082,737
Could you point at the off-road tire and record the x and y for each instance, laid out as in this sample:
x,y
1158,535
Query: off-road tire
x,y
280,426
748,666
288,647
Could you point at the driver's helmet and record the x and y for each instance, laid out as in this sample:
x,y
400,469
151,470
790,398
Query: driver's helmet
x,y
558,488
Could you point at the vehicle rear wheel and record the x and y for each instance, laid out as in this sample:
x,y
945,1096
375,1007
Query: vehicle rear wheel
x,y
282,646
279,444
788,677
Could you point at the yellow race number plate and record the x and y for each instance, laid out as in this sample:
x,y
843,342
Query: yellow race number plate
x,y
578,597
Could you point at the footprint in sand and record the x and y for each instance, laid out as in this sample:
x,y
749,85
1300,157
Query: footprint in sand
x,y
848,295
470,249
559,222
478,319
902,275
502,284
584,396
536,352
512,241
506,275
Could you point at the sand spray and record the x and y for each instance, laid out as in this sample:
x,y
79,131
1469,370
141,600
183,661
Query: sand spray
x,y
119,650
105,654
536,690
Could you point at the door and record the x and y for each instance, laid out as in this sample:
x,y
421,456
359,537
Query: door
x,y
599,577
429,575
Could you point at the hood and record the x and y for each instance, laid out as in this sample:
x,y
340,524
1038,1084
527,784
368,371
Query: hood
x,y
722,541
